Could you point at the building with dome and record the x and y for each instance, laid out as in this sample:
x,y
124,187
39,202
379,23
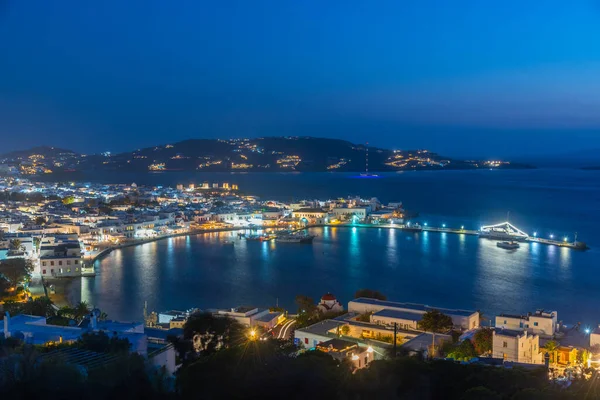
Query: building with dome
x,y
329,304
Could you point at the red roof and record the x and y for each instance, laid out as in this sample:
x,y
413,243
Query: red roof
x,y
328,296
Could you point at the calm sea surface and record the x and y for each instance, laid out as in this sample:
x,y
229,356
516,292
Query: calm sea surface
x,y
443,270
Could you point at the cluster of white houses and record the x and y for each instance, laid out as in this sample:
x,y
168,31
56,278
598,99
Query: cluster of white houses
x,y
372,325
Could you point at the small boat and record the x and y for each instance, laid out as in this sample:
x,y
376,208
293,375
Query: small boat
x,y
295,238
412,228
260,238
508,245
227,243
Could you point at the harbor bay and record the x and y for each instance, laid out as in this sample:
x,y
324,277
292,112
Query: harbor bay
x,y
441,269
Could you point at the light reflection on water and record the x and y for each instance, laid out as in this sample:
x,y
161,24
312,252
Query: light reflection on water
x,y
438,269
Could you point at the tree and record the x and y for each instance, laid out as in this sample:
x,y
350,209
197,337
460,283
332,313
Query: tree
x,y
42,307
68,200
81,310
15,244
4,286
345,330
66,312
551,347
209,333
305,304
370,294
483,340
436,322
463,350
307,311
101,343
40,220
15,270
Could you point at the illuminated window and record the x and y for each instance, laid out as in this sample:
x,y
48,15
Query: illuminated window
x,y
504,344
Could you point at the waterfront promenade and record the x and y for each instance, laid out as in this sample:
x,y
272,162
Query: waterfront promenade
x,y
105,249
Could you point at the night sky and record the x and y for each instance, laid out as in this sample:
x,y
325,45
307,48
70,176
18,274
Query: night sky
x,y
501,78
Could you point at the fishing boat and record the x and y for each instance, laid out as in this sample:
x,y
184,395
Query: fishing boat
x,y
295,238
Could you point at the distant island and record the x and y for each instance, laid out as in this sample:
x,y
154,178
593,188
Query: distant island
x,y
268,154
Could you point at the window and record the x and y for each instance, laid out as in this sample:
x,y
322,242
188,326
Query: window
x,y
521,345
52,271
305,340
52,263
504,322
44,272
534,346
76,262
68,262
504,344
60,263
43,263
535,324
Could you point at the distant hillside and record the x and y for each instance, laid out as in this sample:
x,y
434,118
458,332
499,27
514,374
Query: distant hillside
x,y
261,154
45,151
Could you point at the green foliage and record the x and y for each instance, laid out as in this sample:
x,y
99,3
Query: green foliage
x,y
370,294
68,200
81,310
462,351
210,333
483,340
551,347
41,307
15,270
435,321
345,330
15,244
366,317
4,286
100,342
307,311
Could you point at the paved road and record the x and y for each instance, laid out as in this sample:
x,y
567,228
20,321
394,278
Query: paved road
x,y
284,331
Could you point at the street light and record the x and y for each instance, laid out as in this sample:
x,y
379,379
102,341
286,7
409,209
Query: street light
x,y
551,236
252,334
443,225
534,234
462,227
425,224
587,331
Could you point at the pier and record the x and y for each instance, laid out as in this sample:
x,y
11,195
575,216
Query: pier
x,y
510,233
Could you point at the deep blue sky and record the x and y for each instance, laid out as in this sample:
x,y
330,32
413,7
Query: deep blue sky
x,y
459,77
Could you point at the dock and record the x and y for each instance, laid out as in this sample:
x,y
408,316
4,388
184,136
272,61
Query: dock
x,y
521,237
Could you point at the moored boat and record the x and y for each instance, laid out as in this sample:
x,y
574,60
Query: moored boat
x,y
295,238
508,245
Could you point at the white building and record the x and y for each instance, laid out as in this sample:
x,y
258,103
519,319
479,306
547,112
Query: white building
x,y
329,304
541,322
347,212
244,315
464,319
311,215
517,346
60,259
595,337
